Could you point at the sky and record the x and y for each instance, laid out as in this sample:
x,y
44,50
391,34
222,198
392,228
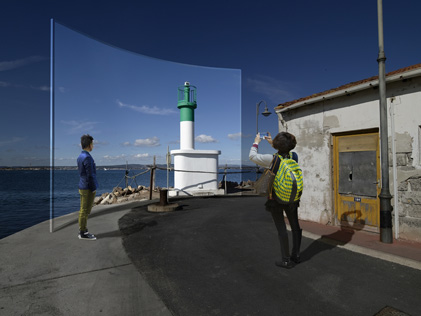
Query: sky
x,y
281,50
128,103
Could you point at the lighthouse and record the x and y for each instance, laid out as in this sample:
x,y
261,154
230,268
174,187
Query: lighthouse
x,y
187,104
195,171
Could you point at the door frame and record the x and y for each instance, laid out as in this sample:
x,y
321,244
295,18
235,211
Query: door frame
x,y
335,174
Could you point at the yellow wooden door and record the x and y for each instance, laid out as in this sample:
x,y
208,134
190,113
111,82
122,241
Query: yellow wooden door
x,y
356,161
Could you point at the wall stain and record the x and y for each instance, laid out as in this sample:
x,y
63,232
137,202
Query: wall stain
x,y
330,122
311,136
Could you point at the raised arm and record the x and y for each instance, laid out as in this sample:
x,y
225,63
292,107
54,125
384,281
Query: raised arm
x,y
263,160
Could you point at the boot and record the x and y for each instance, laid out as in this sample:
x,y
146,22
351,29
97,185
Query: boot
x,y
286,261
296,244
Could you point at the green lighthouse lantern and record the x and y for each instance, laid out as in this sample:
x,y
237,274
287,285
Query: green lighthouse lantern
x,y
187,104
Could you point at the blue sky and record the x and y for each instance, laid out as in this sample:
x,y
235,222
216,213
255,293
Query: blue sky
x,y
284,49
128,103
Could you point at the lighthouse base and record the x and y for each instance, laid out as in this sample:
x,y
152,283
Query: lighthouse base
x,y
195,172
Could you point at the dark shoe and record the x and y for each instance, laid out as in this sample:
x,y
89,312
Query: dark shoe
x,y
287,264
86,236
296,259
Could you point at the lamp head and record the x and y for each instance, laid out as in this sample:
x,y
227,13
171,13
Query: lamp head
x,y
266,112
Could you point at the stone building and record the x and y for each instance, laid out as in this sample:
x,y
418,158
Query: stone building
x,y
339,148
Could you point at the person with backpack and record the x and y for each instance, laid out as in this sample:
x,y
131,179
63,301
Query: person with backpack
x,y
286,193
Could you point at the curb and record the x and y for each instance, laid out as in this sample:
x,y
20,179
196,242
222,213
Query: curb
x,y
366,251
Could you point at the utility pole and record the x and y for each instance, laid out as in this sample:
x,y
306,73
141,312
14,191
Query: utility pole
x,y
384,196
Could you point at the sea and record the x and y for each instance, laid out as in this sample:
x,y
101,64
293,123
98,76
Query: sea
x,y
25,195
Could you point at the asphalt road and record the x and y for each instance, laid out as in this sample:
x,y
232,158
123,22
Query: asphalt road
x,y
216,257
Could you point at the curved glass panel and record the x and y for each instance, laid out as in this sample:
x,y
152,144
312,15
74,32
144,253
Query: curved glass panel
x,y
128,103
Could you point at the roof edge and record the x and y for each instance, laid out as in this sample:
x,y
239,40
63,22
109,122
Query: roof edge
x,y
400,74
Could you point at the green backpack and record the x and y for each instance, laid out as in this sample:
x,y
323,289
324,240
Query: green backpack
x,y
288,184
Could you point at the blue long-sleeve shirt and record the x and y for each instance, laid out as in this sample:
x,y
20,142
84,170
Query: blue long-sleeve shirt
x,y
87,172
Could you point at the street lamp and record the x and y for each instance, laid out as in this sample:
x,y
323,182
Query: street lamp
x,y
384,196
265,113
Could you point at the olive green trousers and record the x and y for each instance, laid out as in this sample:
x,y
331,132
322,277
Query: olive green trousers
x,y
86,202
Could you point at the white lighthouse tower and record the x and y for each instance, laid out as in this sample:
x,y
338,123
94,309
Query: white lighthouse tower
x,y
196,171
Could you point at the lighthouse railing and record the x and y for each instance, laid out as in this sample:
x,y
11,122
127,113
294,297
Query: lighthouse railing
x,y
130,179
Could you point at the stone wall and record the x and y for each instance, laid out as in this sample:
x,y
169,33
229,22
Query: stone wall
x,y
409,197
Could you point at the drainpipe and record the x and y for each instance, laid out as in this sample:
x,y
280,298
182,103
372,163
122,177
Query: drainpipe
x,y
395,176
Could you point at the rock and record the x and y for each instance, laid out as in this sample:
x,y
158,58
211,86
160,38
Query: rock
x,y
107,200
230,184
114,199
246,184
104,195
118,191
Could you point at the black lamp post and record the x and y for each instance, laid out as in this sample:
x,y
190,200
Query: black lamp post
x,y
265,113
384,196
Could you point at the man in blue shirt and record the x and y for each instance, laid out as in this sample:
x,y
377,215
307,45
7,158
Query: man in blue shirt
x,y
87,185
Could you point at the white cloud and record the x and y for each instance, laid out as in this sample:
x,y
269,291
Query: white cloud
x,y
112,158
122,157
77,127
239,135
8,65
126,144
141,155
41,88
4,84
146,109
205,139
235,136
147,142
275,91
98,142
13,140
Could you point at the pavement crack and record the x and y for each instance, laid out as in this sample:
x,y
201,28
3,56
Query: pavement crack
x,y
64,276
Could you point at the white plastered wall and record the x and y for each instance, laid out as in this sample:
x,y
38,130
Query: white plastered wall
x,y
314,124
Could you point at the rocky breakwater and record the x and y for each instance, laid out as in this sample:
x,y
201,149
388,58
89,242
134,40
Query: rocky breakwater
x,y
120,195
234,187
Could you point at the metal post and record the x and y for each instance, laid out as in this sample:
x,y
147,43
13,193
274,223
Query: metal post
x,y
127,175
154,172
168,166
225,178
52,126
385,197
265,113
152,180
151,183
257,117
